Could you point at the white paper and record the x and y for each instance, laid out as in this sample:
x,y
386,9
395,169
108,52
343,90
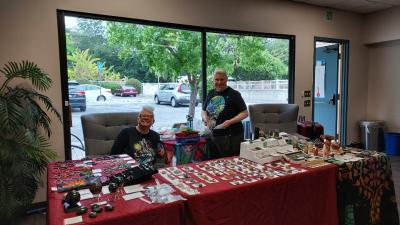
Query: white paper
x,y
84,191
105,190
319,91
99,203
72,220
148,202
86,196
220,126
133,188
132,196
96,171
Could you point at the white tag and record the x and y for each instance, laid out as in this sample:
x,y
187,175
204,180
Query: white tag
x,y
123,155
127,158
105,190
147,201
133,188
53,188
96,171
131,162
72,220
99,203
86,196
84,191
132,196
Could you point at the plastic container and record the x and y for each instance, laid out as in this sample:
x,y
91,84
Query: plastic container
x,y
372,134
392,143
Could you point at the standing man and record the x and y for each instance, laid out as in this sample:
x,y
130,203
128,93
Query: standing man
x,y
223,112
140,142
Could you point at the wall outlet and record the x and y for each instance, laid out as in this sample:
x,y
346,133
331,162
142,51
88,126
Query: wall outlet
x,y
307,93
307,103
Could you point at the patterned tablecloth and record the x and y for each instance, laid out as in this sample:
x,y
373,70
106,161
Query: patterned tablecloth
x,y
186,153
365,192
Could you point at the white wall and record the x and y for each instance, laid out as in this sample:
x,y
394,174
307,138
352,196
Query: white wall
x,y
29,31
384,84
382,26
382,34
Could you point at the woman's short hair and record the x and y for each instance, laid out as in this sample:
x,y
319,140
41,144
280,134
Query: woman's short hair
x,y
147,108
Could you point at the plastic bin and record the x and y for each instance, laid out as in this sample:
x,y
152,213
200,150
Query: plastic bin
x,y
392,143
372,134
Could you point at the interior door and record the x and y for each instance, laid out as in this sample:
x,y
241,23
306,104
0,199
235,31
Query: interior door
x,y
326,95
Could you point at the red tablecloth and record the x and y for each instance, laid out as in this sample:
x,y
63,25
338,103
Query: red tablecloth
x,y
307,198
126,212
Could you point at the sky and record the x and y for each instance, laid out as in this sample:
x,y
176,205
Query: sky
x,y
70,22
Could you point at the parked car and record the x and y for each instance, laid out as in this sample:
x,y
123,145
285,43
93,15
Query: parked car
x,y
77,98
95,93
126,90
174,94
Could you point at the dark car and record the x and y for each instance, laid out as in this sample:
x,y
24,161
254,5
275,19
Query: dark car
x,y
77,97
126,90
175,94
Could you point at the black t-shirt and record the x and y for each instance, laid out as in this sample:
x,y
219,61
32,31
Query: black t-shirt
x,y
225,105
141,147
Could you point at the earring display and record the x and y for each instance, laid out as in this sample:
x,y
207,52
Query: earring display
x,y
191,178
79,174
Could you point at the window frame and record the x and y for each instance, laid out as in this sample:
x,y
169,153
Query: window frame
x,y
203,30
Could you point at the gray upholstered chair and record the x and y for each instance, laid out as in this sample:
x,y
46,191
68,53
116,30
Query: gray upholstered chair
x,y
274,116
101,129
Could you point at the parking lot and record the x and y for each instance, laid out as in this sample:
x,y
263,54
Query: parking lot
x,y
165,115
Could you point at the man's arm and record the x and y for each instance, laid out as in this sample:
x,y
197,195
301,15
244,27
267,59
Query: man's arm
x,y
238,118
204,117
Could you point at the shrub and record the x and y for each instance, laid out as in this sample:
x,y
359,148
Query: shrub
x,y
111,85
135,83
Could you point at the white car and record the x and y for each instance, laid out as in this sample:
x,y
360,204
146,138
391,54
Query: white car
x,y
95,93
174,94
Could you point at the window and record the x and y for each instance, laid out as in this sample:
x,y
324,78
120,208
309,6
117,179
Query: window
x,y
159,61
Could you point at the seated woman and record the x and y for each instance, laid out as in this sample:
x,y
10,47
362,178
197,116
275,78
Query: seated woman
x,y
140,142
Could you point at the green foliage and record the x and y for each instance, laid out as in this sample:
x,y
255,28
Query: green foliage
x,y
110,85
135,83
150,53
279,48
84,66
168,53
91,35
24,151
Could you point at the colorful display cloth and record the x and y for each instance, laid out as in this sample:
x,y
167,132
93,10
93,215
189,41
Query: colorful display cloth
x,y
302,198
186,153
366,194
134,211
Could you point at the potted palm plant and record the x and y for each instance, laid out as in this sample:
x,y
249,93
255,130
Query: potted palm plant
x,y
24,136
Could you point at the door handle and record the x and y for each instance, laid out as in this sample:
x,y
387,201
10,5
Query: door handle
x,y
333,100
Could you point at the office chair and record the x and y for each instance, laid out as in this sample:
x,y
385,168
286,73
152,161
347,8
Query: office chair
x,y
101,129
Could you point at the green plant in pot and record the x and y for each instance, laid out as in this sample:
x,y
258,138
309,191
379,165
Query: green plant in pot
x,y
24,136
